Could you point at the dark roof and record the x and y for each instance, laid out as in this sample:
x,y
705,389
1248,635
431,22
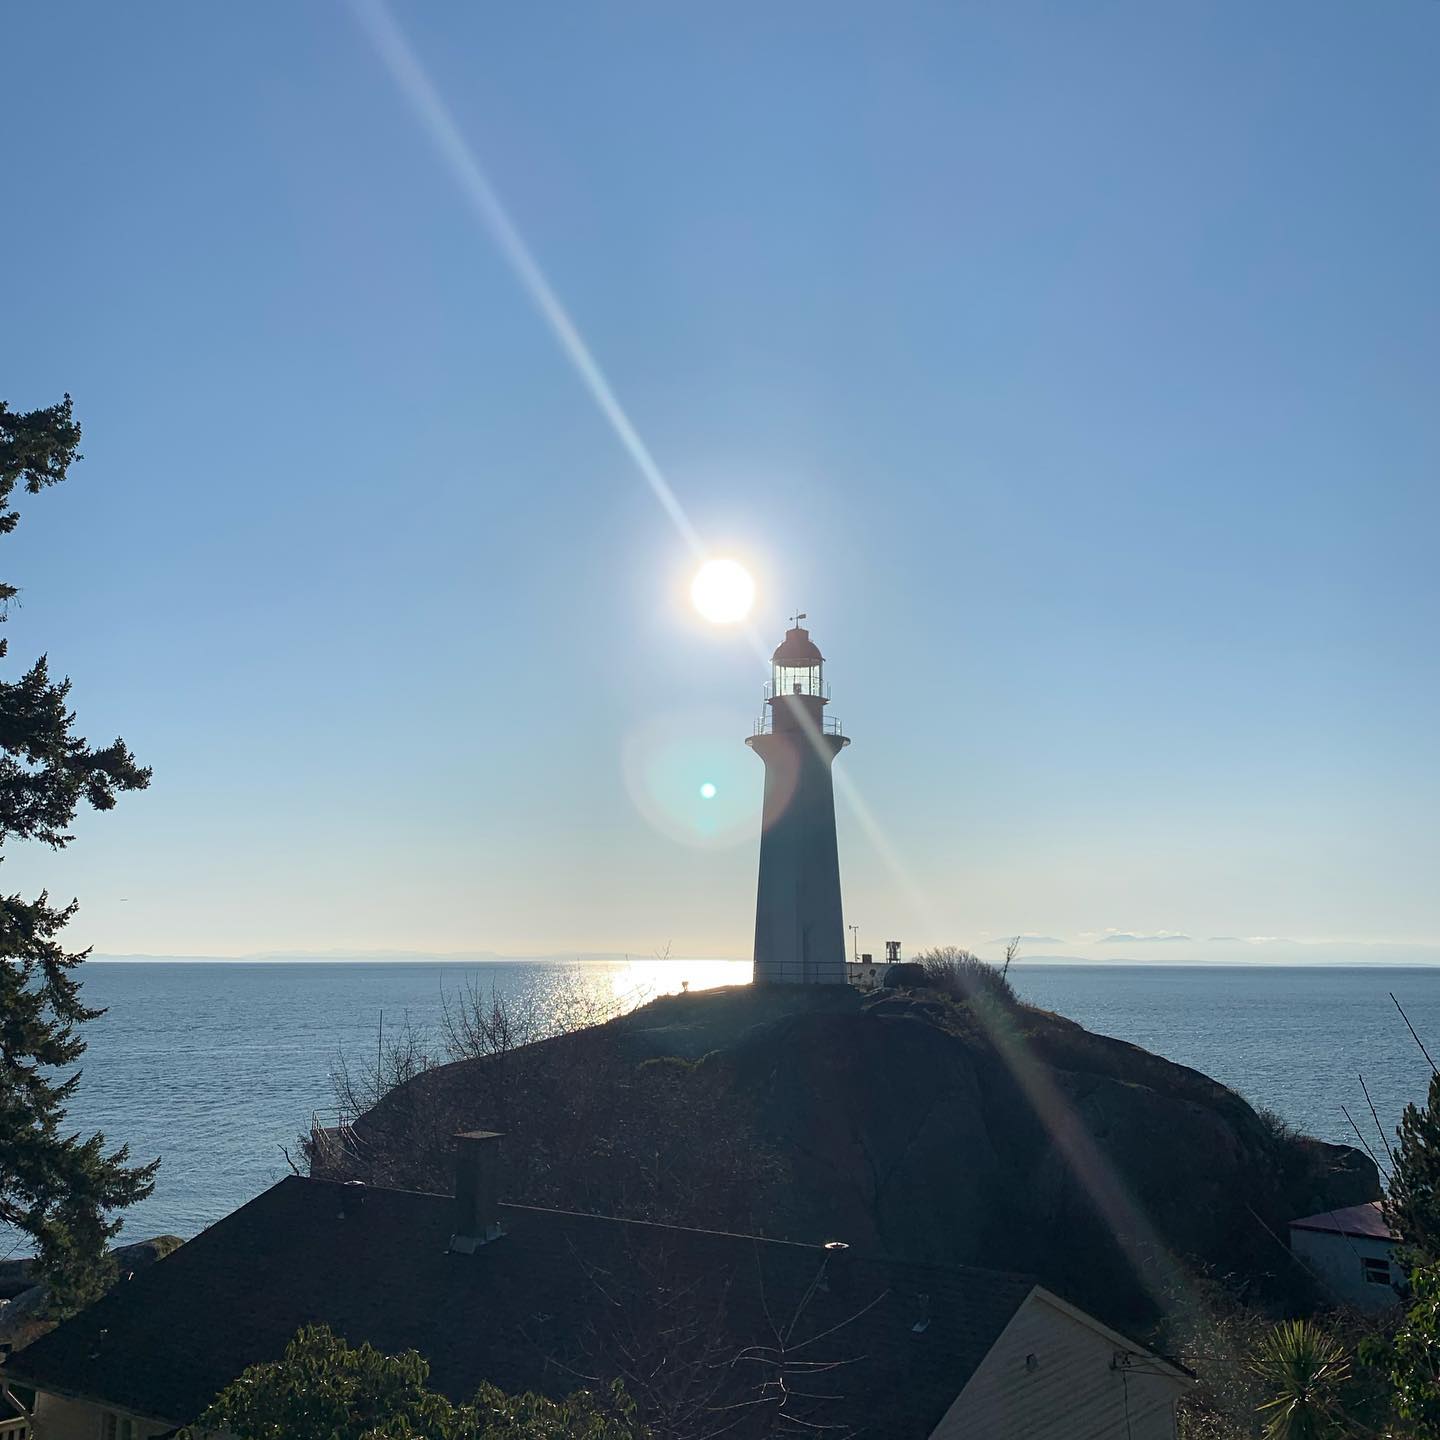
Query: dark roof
x,y
1363,1221
558,1298
797,648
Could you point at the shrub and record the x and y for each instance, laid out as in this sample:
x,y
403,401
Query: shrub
x,y
1276,1126
963,976
1303,1369
322,1388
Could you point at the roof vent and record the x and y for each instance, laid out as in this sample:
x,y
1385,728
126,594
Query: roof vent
x,y
352,1197
835,1274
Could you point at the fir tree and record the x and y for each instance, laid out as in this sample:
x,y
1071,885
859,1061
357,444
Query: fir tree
x,y
1412,1200
57,1188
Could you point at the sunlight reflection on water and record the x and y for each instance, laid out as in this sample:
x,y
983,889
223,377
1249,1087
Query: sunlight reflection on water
x,y
215,1067
633,982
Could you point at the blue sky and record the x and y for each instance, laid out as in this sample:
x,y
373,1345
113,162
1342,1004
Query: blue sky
x,y
1073,365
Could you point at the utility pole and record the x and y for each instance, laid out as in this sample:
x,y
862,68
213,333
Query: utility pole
x,y
855,942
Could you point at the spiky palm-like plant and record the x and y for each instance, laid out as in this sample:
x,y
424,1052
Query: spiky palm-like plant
x,y
1304,1370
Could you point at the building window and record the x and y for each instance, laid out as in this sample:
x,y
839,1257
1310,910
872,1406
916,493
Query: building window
x,y
1376,1272
116,1427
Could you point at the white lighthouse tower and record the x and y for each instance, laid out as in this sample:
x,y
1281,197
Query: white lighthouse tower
x,y
799,933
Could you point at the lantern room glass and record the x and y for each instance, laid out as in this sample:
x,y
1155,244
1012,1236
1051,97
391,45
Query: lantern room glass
x,y
799,680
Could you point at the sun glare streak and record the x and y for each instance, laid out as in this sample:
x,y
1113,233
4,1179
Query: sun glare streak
x,y
1149,1257
405,67
1125,1217
888,852
409,74
1162,1274
396,54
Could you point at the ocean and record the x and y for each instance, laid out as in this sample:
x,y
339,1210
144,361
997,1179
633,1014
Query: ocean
x,y
217,1068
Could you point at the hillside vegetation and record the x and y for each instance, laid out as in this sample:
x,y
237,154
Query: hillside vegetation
x,y
969,1129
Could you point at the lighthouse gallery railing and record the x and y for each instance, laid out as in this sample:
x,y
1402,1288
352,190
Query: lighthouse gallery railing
x,y
829,725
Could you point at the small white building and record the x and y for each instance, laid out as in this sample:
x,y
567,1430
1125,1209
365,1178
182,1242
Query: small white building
x,y
864,973
1352,1253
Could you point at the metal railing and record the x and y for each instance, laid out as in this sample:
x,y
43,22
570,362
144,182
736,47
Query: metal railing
x,y
829,724
332,1137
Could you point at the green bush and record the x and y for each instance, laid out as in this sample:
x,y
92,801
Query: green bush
x,y
325,1389
1303,1369
1409,1360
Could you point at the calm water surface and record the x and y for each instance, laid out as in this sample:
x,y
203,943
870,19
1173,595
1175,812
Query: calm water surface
x,y
215,1068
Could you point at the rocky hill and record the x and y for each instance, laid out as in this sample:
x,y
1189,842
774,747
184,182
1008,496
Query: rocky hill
x,y
25,1312
905,1122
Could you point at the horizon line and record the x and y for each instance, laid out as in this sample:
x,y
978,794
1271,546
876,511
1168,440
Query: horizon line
x,y
620,958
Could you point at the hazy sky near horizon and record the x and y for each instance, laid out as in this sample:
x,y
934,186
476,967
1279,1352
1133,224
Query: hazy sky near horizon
x,y
1073,365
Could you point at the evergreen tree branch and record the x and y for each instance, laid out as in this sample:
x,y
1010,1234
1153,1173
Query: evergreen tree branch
x,y
57,1188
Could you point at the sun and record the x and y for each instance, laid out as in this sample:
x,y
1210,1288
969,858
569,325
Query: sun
x,y
723,591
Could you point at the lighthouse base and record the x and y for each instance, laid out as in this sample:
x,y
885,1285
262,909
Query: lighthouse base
x,y
799,972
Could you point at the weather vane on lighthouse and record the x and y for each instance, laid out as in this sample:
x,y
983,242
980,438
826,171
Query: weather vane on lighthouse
x,y
799,932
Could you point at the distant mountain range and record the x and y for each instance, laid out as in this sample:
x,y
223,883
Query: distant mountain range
x,y
1112,948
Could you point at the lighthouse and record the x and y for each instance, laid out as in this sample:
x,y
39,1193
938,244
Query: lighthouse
x,y
799,933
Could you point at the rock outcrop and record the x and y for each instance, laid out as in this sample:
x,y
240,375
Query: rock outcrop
x,y
905,1122
25,1298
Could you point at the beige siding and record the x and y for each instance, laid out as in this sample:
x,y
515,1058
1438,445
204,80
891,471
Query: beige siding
x,y
57,1418
1079,1386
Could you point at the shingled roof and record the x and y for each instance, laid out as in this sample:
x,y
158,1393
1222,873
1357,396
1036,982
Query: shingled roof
x,y
558,1301
1365,1222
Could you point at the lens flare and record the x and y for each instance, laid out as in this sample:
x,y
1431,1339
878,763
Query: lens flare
x,y
723,591
689,779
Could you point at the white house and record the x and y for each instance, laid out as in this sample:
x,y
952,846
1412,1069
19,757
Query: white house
x,y
1352,1253
1056,1373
